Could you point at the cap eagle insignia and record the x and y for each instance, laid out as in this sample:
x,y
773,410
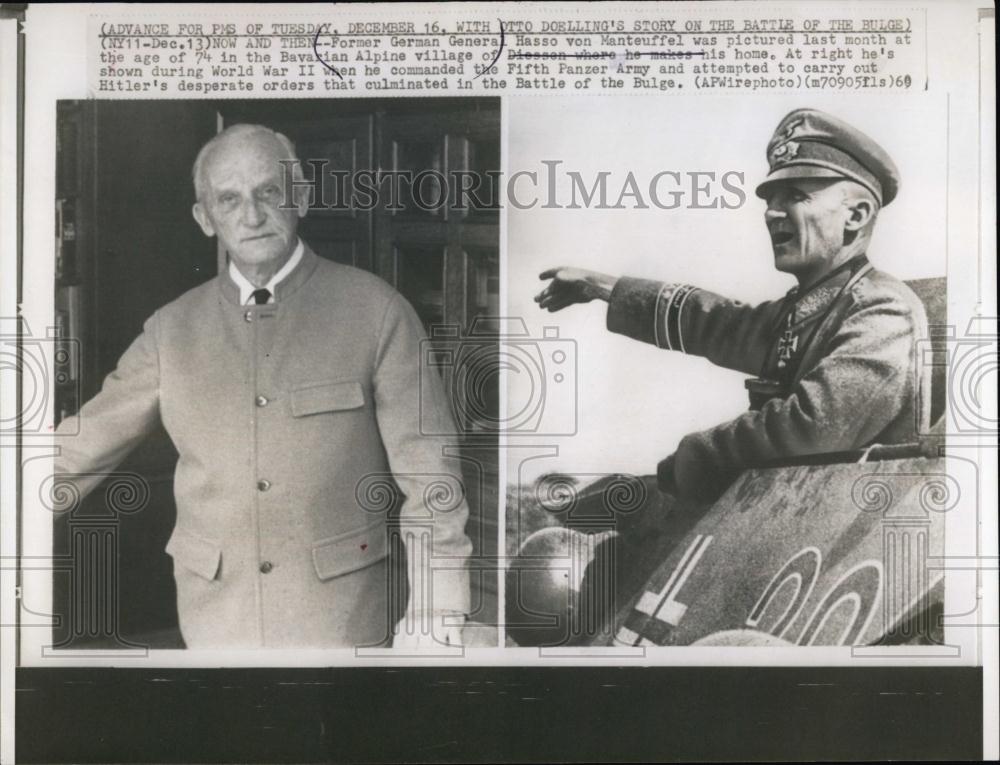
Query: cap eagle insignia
x,y
784,152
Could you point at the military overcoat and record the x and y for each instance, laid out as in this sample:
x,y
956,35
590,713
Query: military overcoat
x,y
842,357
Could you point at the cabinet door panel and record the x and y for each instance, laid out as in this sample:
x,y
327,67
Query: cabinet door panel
x,y
333,151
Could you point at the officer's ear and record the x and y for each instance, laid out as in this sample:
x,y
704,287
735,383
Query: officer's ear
x,y
862,209
203,219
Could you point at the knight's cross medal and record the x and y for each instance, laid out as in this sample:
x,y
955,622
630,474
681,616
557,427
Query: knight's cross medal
x,y
788,343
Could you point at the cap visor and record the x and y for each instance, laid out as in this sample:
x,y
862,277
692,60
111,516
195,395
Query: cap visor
x,y
795,171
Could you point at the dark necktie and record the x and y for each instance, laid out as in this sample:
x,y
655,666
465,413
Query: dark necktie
x,y
261,296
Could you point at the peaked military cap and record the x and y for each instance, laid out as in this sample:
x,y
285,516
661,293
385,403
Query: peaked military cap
x,y
809,143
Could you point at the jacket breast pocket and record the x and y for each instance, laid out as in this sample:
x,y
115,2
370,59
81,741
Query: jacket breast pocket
x,y
327,397
349,552
197,555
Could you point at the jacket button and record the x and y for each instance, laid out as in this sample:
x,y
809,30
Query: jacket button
x,y
248,316
266,567
262,400
263,485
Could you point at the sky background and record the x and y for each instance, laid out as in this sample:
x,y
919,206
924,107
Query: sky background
x,y
635,402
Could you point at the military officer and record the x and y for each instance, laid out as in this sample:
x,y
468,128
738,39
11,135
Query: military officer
x,y
833,361
290,386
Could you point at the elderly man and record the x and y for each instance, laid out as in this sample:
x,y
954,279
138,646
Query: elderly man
x,y
835,359
288,384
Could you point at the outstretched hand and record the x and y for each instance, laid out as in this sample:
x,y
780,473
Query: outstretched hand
x,y
573,285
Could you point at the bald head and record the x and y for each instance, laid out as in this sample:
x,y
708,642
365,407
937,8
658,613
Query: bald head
x,y
236,138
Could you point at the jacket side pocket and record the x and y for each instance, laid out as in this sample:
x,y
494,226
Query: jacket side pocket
x,y
349,552
327,397
197,555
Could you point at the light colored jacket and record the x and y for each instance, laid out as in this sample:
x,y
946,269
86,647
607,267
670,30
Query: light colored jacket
x,y
289,419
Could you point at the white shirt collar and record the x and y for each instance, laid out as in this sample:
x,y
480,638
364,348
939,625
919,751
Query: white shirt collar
x,y
247,289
